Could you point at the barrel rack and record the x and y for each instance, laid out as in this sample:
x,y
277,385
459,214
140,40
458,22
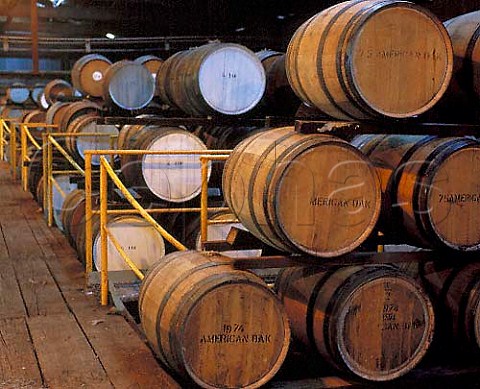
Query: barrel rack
x,y
237,239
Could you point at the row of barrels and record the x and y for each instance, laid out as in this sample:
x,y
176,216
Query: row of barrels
x,y
314,194
319,195
339,63
353,73
226,79
373,322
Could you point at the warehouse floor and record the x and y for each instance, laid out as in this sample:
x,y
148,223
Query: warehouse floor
x,y
52,334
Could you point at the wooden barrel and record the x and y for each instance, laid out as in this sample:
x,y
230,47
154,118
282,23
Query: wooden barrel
x,y
18,93
36,94
464,31
152,63
35,172
163,77
279,98
87,124
140,241
73,219
373,321
195,307
88,74
370,59
66,186
431,199
222,138
302,193
73,201
35,169
128,85
455,292
55,112
79,108
35,116
12,112
218,78
171,178
39,192
55,89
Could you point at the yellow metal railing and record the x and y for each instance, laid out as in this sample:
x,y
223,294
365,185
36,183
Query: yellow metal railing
x,y
25,137
106,171
4,129
49,142
9,126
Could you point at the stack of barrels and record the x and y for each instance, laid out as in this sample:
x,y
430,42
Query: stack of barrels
x,y
320,196
314,195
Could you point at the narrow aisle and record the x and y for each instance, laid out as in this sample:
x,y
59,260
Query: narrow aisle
x,y
52,334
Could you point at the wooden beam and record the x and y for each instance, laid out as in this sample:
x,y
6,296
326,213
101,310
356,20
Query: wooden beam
x,y
34,28
64,12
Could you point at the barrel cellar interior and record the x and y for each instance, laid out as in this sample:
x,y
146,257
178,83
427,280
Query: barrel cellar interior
x,y
239,194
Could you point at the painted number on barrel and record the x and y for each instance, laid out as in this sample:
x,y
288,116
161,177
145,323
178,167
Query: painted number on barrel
x,y
229,75
97,76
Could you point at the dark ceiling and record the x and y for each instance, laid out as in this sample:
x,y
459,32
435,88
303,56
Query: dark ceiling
x,y
261,23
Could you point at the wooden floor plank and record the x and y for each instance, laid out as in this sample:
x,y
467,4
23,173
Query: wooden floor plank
x,y
39,290
127,360
64,355
62,262
18,364
11,301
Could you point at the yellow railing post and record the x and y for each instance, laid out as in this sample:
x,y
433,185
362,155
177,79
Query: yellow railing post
x,y
88,212
204,201
24,168
13,150
45,170
2,140
103,233
50,179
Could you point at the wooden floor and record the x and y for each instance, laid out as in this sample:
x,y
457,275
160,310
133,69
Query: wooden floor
x,y
52,333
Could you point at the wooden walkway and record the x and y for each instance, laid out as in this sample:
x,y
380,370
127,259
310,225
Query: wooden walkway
x,y
52,333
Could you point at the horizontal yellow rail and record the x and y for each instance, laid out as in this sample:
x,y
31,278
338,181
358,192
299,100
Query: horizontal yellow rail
x,y
159,210
66,155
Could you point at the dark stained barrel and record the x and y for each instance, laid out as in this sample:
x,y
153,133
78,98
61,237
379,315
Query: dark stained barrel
x,y
55,113
13,112
223,138
373,321
88,74
87,124
35,116
55,89
279,98
314,193
430,197
454,289
194,307
128,86
76,109
163,77
369,59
